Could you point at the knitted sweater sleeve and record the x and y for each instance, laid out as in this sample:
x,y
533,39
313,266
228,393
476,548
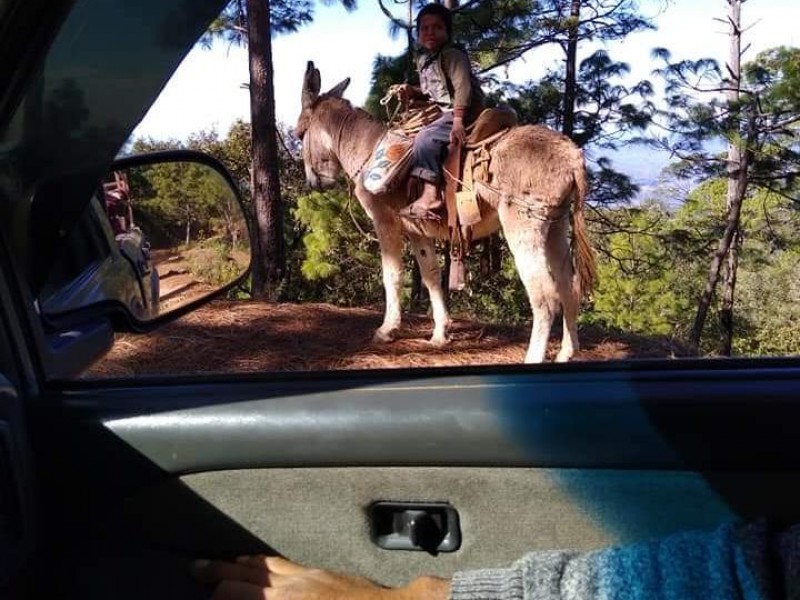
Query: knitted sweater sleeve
x,y
731,562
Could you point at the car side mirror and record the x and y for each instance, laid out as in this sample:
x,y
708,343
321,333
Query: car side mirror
x,y
168,232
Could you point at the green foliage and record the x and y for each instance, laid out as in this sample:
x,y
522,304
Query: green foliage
x,y
774,78
775,73
342,261
185,199
499,32
767,308
768,303
215,261
493,297
654,263
286,16
762,122
643,284
387,71
233,151
653,258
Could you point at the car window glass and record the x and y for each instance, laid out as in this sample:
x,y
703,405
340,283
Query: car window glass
x,y
674,273
82,250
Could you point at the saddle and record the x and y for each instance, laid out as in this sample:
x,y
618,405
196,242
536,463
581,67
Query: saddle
x,y
463,167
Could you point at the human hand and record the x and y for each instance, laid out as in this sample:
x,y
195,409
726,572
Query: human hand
x,y
404,92
458,135
407,93
273,578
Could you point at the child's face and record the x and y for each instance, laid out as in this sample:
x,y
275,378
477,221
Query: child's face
x,y
432,32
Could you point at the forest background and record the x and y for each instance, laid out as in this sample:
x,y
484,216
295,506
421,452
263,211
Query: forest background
x,y
707,255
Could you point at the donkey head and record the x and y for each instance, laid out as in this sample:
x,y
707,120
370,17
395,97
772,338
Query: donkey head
x,y
313,129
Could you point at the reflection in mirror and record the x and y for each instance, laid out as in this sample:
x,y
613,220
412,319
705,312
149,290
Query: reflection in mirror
x,y
193,223
156,237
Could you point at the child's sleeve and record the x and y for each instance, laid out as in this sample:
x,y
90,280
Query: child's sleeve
x,y
455,64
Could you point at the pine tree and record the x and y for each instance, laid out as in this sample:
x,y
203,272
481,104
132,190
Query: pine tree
x,y
757,116
252,23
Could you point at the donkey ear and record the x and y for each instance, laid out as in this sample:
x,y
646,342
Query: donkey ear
x,y
337,90
311,85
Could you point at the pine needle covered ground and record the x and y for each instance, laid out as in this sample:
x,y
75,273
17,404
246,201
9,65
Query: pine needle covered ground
x,y
256,337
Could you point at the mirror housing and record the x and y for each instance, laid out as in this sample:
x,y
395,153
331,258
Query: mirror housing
x,y
165,233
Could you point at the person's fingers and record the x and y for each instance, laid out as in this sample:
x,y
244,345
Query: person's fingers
x,y
239,590
274,564
281,566
212,571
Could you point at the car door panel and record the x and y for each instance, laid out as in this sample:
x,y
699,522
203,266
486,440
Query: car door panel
x,y
16,497
319,516
530,459
619,419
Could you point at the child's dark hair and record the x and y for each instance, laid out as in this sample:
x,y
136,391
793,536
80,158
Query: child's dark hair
x,y
440,11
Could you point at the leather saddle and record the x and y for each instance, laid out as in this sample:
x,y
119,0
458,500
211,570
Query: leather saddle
x,y
469,164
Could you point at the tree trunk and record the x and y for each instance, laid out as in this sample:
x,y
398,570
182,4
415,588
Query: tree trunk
x,y
268,254
571,78
713,276
729,288
734,167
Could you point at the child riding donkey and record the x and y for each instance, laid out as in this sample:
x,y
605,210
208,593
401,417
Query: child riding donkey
x,y
527,180
446,79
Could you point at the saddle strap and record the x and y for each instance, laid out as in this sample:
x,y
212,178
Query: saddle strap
x,y
452,164
479,157
457,279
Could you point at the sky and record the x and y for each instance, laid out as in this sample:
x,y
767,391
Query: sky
x,y
207,89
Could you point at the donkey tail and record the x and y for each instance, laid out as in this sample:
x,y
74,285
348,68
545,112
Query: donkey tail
x,y
582,253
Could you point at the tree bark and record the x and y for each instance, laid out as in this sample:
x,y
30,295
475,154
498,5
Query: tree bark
x,y
729,288
736,185
571,78
269,252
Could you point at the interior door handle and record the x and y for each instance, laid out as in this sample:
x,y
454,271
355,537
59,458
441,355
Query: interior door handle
x,y
430,527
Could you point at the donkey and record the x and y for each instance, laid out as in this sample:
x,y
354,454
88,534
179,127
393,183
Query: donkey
x,y
535,174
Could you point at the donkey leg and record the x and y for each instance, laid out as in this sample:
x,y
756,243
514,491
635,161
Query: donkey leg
x,y
543,315
391,243
425,253
560,260
569,337
527,239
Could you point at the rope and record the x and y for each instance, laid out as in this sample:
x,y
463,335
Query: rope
x,y
528,208
367,235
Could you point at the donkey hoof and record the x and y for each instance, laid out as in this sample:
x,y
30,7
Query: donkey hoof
x,y
563,356
383,337
439,341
